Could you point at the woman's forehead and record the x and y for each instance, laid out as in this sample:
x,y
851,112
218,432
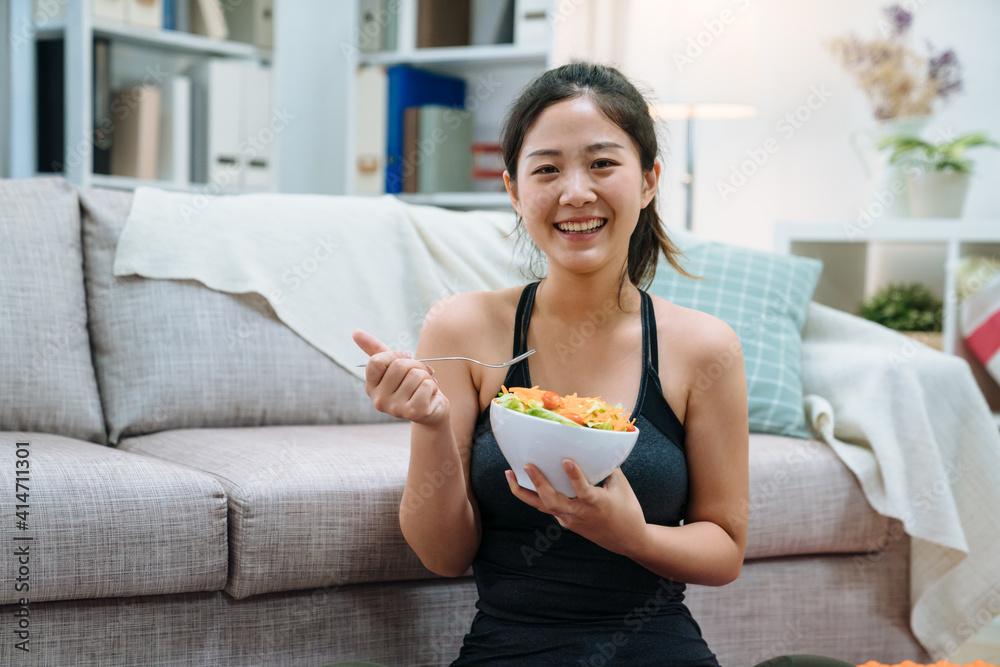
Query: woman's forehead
x,y
574,123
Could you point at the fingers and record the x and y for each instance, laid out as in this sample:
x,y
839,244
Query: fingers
x,y
369,343
581,486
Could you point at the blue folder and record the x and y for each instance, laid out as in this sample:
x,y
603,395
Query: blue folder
x,y
410,87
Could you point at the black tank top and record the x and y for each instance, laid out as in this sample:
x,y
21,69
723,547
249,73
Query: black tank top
x,y
528,568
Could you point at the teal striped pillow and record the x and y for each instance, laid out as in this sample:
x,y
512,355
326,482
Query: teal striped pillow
x,y
763,296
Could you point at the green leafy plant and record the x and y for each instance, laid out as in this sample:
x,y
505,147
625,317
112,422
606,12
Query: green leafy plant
x,y
904,308
944,156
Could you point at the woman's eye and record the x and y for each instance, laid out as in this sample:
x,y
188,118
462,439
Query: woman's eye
x,y
545,170
601,164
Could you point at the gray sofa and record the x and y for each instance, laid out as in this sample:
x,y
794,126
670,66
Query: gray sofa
x,y
203,487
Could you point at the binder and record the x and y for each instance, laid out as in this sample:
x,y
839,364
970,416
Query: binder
x,y
216,101
256,151
174,163
145,13
445,149
251,22
411,148
409,86
370,135
137,132
104,122
207,19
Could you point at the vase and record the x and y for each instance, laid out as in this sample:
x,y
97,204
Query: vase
x,y
937,194
886,197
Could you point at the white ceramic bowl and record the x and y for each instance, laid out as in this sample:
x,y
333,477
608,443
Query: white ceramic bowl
x,y
524,439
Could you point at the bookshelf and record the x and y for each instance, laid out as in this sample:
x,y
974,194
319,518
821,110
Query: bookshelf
x,y
859,259
494,72
135,53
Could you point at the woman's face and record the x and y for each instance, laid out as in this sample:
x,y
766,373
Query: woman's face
x,y
580,186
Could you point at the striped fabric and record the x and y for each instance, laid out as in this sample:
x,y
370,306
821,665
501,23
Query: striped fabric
x,y
175,354
46,376
763,297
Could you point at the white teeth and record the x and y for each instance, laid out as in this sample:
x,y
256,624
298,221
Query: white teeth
x,y
591,224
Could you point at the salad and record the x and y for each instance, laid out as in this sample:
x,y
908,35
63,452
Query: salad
x,y
571,410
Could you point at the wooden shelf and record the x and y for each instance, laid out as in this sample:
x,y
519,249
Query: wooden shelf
x,y
168,40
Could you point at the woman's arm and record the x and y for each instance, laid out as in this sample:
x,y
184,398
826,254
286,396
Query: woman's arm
x,y
438,514
708,549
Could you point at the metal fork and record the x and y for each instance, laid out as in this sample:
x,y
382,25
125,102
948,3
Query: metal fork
x,y
481,363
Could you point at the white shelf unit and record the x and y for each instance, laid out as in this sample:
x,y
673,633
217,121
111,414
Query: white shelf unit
x,y
512,65
859,259
174,49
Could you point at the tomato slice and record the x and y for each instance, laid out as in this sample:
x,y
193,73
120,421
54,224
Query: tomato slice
x,y
575,417
551,400
630,427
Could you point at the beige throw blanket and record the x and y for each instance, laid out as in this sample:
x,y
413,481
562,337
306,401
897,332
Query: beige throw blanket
x,y
912,425
908,421
327,265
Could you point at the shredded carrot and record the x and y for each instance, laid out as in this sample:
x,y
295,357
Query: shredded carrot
x,y
592,410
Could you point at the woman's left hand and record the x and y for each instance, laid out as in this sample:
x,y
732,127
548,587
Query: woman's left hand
x,y
608,515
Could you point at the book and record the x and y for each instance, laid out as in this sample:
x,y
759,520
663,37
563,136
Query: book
x,y
207,19
411,148
372,16
134,151
445,149
409,86
50,104
170,14
533,21
104,125
182,15
443,23
174,162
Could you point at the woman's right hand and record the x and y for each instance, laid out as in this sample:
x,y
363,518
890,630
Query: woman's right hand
x,y
400,386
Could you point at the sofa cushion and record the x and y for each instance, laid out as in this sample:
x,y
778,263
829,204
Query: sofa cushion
x,y
105,523
318,506
763,296
309,506
175,354
46,374
804,500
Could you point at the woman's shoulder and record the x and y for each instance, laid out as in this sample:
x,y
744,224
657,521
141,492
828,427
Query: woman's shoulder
x,y
482,312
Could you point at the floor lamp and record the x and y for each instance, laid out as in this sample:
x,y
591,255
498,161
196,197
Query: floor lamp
x,y
691,113
699,57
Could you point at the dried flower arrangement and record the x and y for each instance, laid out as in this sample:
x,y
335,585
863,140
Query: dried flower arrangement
x,y
898,81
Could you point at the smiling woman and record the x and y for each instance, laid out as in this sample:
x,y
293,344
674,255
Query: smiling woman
x,y
580,153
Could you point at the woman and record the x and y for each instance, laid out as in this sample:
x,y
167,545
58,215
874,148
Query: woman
x,y
596,579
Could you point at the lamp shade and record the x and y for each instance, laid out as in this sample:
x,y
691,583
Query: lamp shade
x,y
698,56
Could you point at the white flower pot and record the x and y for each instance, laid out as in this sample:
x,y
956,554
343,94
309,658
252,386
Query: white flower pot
x,y
937,194
886,197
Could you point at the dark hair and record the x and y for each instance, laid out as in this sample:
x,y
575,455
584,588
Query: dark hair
x,y
626,107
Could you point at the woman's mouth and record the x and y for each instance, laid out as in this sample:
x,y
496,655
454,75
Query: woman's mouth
x,y
581,226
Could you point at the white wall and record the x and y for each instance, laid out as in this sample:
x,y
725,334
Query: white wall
x,y
313,83
815,175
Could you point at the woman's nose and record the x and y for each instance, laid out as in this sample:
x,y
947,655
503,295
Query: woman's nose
x,y
577,189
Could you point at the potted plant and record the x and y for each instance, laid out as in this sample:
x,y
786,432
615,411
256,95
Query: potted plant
x,y
910,309
937,173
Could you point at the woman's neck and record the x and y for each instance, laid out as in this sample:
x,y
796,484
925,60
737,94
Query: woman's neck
x,y
573,299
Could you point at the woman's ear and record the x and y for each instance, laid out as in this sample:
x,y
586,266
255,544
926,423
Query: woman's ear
x,y
511,186
650,179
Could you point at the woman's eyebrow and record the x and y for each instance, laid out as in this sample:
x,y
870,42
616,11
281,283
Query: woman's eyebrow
x,y
592,148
